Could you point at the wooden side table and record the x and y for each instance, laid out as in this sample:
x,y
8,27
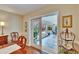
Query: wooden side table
x,y
3,39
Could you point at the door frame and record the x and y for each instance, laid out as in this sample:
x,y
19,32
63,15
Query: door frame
x,y
44,15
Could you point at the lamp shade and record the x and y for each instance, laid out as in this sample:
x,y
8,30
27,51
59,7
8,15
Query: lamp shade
x,y
2,23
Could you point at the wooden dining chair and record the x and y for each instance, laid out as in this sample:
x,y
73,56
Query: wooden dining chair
x,y
22,41
14,36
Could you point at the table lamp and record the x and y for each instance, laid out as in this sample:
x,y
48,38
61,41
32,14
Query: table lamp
x,y
2,24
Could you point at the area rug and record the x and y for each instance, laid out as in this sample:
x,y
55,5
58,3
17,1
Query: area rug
x,y
9,49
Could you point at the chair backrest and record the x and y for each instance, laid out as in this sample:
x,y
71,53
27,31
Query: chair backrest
x,y
22,40
14,36
67,38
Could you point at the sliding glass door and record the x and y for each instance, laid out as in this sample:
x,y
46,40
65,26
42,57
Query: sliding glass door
x,y
44,33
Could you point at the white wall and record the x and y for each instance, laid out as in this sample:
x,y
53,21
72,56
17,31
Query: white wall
x,y
13,23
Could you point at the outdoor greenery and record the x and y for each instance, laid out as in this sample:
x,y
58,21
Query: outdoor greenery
x,y
36,33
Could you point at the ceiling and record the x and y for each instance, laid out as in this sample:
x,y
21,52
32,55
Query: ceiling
x,y
21,9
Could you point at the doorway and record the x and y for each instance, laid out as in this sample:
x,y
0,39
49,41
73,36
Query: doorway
x,y
44,33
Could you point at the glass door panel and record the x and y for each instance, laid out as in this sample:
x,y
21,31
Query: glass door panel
x,y
36,32
49,32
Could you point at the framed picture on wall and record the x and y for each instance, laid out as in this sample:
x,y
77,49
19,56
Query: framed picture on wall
x,y
67,21
25,26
